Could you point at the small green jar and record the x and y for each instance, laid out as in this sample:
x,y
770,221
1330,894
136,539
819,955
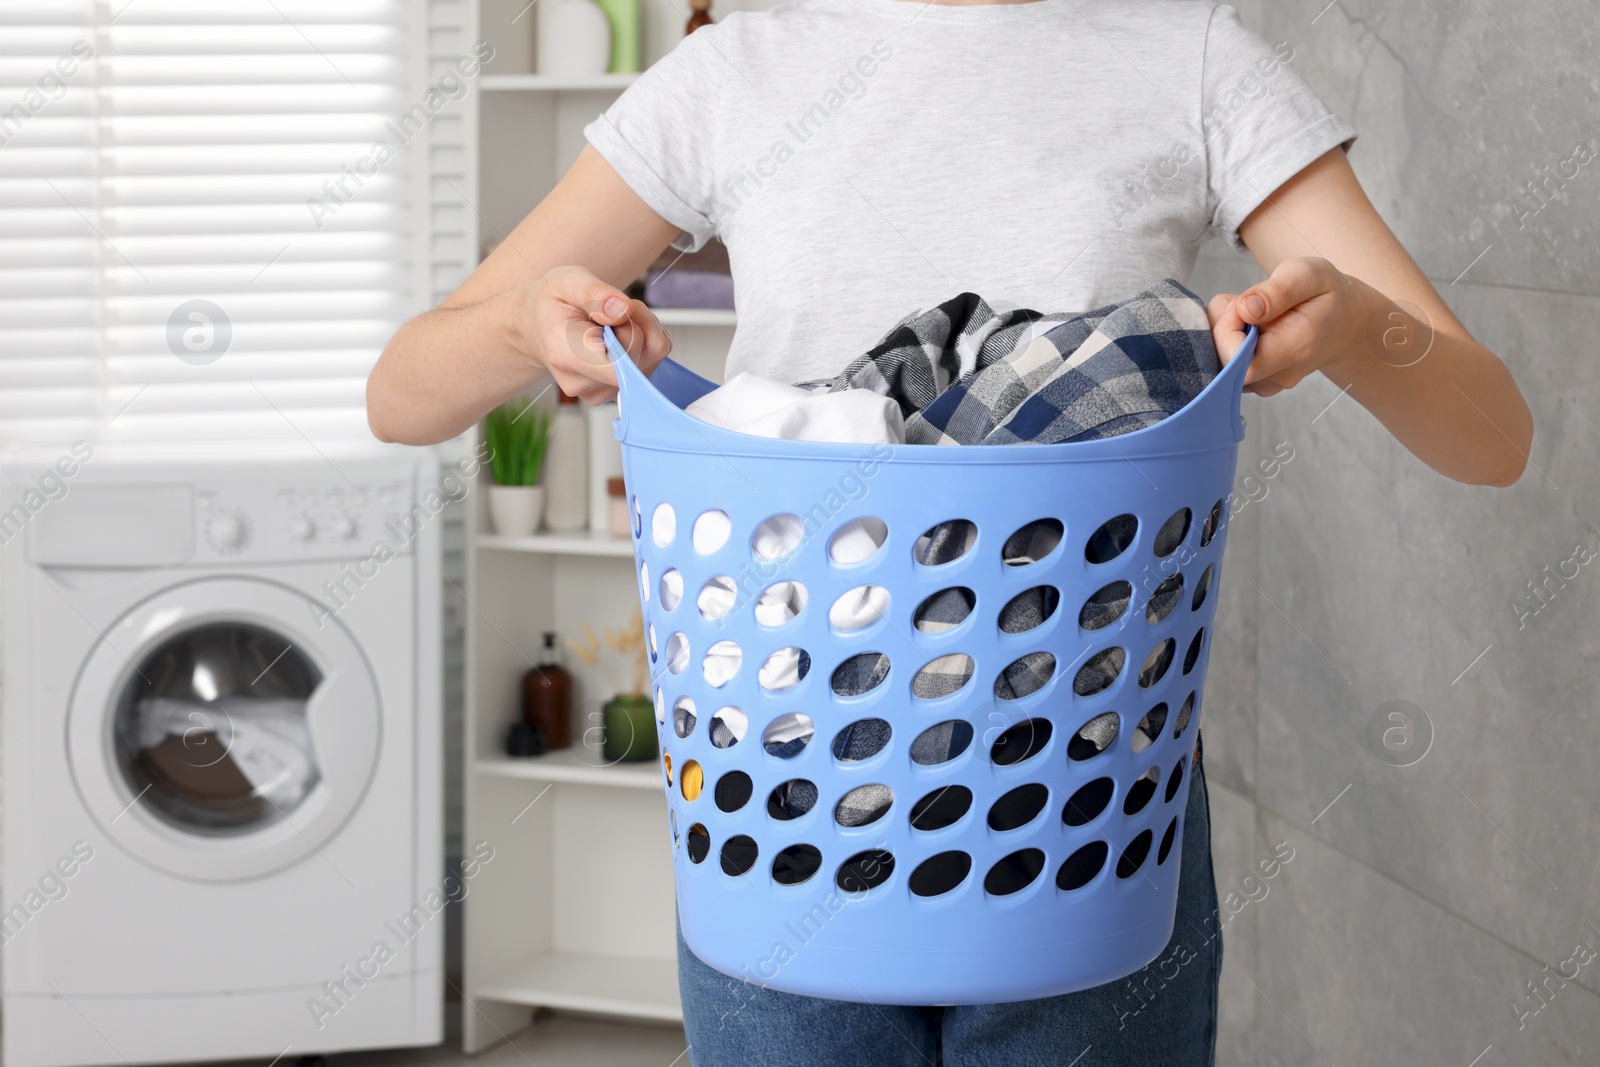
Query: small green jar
x,y
630,727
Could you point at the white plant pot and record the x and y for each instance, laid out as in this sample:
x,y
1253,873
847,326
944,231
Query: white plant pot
x,y
574,40
515,510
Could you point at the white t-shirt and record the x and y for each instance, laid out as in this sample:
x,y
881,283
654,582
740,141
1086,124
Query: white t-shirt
x,y
865,159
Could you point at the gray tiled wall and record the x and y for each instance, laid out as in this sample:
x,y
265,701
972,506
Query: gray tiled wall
x,y
1422,902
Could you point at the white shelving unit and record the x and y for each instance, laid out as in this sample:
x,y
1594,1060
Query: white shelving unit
x,y
575,909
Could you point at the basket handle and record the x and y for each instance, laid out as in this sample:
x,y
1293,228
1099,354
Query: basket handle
x,y
1233,376
669,388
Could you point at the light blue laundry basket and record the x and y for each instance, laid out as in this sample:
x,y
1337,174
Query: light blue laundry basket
x,y
1031,847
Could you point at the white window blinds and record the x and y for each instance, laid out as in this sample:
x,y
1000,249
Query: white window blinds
x,y
212,214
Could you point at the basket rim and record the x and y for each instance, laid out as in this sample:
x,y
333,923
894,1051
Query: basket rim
x,y
1210,422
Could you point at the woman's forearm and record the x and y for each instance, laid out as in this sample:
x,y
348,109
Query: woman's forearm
x,y
533,308
446,367
1444,396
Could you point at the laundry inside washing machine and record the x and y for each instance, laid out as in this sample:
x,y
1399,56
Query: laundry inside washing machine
x,y
211,729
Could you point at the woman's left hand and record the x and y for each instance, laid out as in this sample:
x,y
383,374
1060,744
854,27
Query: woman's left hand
x,y
1311,316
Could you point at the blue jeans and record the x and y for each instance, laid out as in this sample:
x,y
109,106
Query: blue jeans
x,y
1165,1014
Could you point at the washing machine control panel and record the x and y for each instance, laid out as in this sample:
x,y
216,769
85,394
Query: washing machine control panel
x,y
266,522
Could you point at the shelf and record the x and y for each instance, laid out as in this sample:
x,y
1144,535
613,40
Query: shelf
x,y
574,766
574,544
577,981
545,83
694,317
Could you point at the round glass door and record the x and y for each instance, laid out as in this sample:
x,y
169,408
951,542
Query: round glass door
x,y
210,731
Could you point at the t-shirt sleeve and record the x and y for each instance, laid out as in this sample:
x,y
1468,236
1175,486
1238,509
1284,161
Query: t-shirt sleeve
x,y
1263,124
660,135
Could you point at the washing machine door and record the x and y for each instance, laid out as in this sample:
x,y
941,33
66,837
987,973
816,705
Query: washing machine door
x,y
221,730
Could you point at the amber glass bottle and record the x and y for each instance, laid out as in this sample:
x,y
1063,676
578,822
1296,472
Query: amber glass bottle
x,y
547,697
699,15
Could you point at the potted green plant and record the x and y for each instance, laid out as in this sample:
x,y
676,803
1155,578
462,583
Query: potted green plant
x,y
517,433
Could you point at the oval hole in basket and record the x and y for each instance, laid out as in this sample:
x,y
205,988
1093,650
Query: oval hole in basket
x,y
939,874
943,676
861,673
733,791
644,581
699,843
1175,780
671,589
1105,606
1029,609
778,537
944,610
858,541
1201,587
1156,663
943,807
941,742
1141,792
1081,867
1089,802
1019,807
683,717
1166,841
796,864
1111,539
1172,533
710,531
1020,742
1014,873
677,652
1149,729
788,734
692,780
784,669
945,542
1099,672
1025,676
722,661
861,740
727,727
1094,736
739,854
859,608
865,870
638,518
1133,856
1184,714
1166,597
863,805
1213,523
1032,542
1191,657
791,799
717,597
663,525
780,602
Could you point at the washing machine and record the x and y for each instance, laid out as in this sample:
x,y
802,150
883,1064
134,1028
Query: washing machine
x,y
222,775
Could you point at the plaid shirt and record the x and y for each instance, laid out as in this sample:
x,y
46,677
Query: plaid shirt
x,y
965,373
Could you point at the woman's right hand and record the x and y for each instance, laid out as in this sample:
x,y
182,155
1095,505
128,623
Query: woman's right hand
x,y
561,315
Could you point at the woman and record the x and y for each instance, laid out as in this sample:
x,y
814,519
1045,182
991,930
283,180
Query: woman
x,y
863,159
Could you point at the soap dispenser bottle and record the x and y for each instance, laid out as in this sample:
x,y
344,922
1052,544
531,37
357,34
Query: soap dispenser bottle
x,y
547,697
